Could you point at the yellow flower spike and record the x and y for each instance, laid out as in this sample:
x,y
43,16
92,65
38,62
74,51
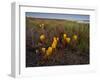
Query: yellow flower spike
x,y
42,37
64,36
75,37
57,39
68,40
53,45
43,50
42,24
54,38
49,51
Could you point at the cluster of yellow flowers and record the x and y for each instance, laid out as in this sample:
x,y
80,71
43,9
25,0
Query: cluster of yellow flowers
x,y
67,39
53,46
49,51
42,26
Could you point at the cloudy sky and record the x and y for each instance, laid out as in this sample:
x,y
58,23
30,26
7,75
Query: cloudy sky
x,y
58,16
